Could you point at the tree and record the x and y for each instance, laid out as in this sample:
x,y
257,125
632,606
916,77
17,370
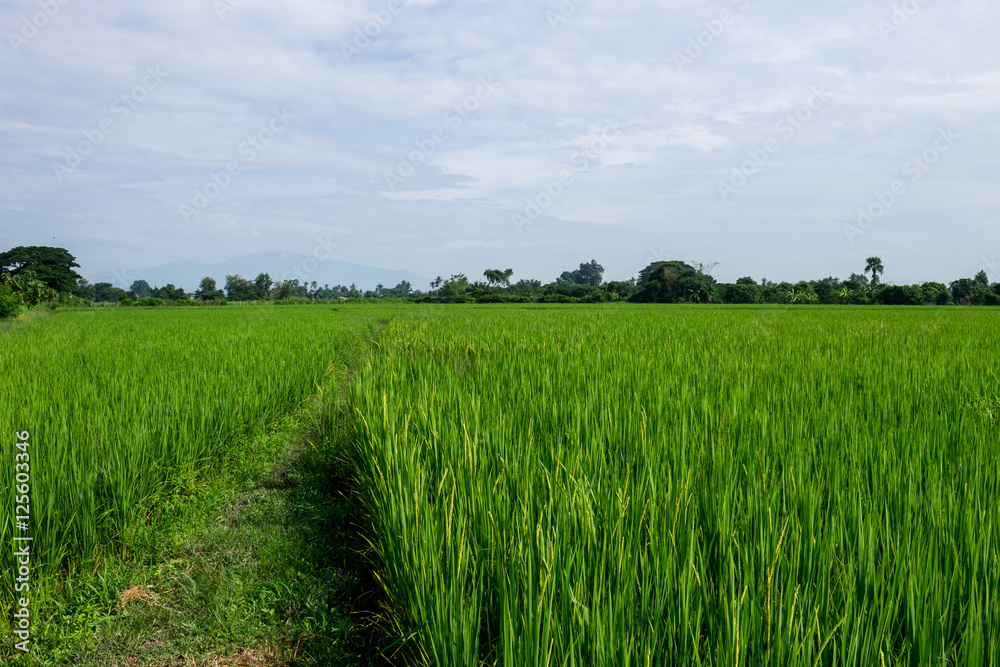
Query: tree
x,y
935,293
283,289
982,279
85,290
528,288
674,282
875,266
141,288
437,282
402,291
53,266
262,286
497,277
804,293
169,292
742,293
961,290
901,295
239,288
590,273
207,290
622,289
746,281
455,287
10,305
108,293
856,281
29,289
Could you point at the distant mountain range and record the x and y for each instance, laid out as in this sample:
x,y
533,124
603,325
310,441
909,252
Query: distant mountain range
x,y
187,274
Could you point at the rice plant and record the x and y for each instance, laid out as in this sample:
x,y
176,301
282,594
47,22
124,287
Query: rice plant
x,y
122,404
685,486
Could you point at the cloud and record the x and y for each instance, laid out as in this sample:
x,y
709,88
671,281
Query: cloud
x,y
229,66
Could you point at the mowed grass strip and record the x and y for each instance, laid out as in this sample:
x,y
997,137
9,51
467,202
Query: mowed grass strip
x,y
686,486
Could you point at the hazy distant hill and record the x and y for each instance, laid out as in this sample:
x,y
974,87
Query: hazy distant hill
x,y
279,265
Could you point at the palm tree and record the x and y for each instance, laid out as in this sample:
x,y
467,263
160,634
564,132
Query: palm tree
x,y
875,266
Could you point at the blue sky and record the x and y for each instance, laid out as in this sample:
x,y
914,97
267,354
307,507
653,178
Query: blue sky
x,y
781,140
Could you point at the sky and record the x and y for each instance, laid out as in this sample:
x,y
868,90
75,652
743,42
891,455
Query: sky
x,y
780,140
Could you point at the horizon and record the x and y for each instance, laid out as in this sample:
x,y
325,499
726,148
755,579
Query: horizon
x,y
437,138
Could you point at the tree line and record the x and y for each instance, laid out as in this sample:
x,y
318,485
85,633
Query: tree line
x,y
35,275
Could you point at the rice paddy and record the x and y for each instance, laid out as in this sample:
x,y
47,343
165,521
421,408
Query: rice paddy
x,y
687,486
120,405
572,486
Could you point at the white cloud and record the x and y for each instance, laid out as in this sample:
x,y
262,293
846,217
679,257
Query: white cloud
x,y
558,85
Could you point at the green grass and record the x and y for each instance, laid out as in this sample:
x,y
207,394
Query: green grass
x,y
131,413
696,486
578,486
262,558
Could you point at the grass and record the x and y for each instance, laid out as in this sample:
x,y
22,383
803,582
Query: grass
x,y
249,548
262,564
697,486
573,486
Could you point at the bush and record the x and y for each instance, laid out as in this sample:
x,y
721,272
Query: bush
x,y
741,293
10,305
901,295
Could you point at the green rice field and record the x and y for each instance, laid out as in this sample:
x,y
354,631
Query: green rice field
x,y
571,486
687,486
121,404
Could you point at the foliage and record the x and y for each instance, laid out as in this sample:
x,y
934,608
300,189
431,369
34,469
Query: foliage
x,y
454,288
27,288
108,293
239,288
10,305
85,290
674,282
935,294
741,293
168,293
590,273
52,266
208,291
498,277
874,264
141,289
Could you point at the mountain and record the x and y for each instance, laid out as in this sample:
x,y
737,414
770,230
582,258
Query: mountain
x,y
279,265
